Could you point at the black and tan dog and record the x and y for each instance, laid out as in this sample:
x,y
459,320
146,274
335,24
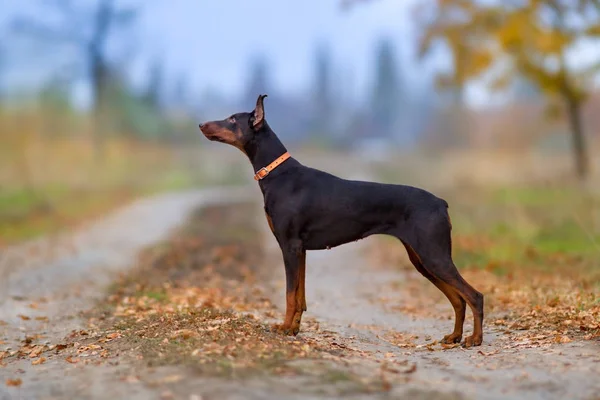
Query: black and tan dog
x,y
308,209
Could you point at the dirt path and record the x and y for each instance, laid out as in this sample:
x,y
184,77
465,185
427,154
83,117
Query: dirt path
x,y
350,304
344,293
47,283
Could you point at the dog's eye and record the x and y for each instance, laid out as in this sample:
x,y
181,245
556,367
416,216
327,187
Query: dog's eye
x,y
232,120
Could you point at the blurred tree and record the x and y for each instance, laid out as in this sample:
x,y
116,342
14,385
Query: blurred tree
x,y
2,66
57,110
132,113
180,95
322,103
155,85
258,79
386,99
88,26
531,39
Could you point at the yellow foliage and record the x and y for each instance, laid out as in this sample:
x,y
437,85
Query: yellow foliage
x,y
535,35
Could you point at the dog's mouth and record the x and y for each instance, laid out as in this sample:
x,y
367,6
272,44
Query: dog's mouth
x,y
215,138
214,133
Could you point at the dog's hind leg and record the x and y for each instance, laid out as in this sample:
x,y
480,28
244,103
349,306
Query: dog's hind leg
x,y
458,303
445,270
432,246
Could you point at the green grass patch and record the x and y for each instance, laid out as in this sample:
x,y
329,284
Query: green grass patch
x,y
531,227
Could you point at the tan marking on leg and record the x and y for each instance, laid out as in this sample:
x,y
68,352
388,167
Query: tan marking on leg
x,y
270,222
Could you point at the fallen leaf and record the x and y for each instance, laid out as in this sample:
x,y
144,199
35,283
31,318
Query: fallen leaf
x,y
114,335
37,350
72,360
131,379
483,353
24,317
172,379
39,361
60,347
410,369
184,334
450,346
562,339
14,382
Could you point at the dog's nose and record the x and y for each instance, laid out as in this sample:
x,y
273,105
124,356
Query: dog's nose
x,y
201,126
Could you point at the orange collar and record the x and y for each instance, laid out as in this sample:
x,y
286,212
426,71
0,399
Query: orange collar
x,y
264,171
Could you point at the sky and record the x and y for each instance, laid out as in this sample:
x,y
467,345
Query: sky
x,y
210,42
214,40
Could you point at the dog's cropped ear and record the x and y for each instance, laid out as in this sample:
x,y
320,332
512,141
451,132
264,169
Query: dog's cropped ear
x,y
259,112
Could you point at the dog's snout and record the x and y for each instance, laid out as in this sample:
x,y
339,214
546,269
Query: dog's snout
x,y
202,126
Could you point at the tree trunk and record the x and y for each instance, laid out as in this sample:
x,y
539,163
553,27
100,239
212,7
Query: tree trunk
x,y
99,75
99,87
582,164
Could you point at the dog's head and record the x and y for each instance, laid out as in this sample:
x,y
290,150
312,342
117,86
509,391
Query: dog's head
x,y
238,129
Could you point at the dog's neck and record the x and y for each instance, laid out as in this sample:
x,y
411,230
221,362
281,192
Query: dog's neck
x,y
264,148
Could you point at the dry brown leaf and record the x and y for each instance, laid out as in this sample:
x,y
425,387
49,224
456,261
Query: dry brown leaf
x,y
39,361
487,354
450,346
131,379
14,382
24,317
171,379
72,360
562,339
36,351
184,334
60,347
410,369
112,336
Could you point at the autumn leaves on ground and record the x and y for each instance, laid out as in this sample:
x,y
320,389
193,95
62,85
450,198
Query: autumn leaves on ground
x,y
201,301
198,301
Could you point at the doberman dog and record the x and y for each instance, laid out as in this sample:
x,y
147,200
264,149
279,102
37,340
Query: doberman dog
x,y
308,209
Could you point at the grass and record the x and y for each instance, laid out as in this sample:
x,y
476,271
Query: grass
x,y
48,184
34,214
532,227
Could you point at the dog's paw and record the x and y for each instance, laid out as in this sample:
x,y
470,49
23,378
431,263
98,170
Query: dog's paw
x,y
282,329
472,341
452,338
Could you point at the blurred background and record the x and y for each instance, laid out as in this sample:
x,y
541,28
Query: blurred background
x,y
100,102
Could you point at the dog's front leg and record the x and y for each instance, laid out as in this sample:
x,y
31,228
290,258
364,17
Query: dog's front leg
x,y
294,257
